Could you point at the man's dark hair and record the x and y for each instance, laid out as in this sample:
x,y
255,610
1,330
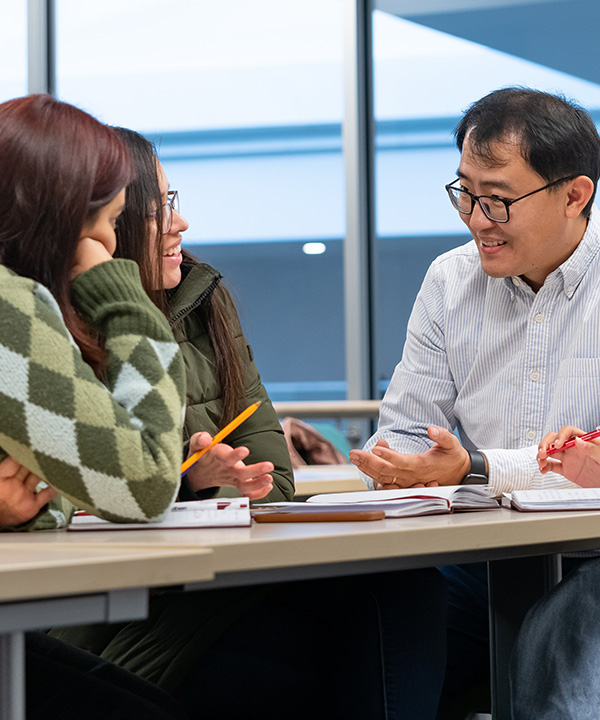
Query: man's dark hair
x,y
558,138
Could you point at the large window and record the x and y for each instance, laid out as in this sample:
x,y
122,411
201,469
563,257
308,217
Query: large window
x,y
13,50
423,79
244,101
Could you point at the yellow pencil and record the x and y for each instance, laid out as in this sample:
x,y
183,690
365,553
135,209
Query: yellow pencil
x,y
230,427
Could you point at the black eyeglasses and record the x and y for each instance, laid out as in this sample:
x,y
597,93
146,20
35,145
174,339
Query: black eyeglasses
x,y
495,208
171,206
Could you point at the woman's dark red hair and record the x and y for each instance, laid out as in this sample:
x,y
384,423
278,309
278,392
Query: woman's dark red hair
x,y
58,167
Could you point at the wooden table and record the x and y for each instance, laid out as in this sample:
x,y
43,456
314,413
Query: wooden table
x,y
64,583
265,552
516,544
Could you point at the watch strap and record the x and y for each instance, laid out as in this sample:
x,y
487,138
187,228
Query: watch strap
x,y
478,474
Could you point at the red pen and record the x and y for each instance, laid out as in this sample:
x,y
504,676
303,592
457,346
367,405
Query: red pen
x,y
570,443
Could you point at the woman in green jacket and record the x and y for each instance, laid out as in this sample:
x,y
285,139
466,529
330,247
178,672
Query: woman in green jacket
x,y
222,378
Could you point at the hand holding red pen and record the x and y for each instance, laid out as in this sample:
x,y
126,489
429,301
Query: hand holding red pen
x,y
559,444
572,453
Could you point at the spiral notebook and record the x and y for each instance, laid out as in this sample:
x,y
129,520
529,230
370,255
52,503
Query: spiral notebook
x,y
579,498
217,512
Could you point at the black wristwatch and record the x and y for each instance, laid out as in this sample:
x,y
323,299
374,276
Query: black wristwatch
x,y
478,474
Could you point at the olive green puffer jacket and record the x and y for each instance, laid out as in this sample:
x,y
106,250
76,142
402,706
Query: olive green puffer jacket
x,y
261,433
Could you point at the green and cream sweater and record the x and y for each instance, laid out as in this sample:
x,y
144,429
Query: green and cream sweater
x,y
112,449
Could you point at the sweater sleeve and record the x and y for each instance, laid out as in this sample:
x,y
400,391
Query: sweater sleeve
x,y
111,449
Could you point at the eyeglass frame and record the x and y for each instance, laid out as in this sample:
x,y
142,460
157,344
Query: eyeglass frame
x,y
507,203
170,206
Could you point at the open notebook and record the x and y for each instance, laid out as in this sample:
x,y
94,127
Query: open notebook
x,y
395,503
578,498
217,512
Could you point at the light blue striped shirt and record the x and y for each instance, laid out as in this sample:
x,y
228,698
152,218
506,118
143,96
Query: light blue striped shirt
x,y
499,362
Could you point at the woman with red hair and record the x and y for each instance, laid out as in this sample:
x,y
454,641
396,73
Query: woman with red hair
x,y
71,316
91,380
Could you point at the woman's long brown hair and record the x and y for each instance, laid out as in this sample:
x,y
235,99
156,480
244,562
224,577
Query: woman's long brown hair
x,y
58,167
136,242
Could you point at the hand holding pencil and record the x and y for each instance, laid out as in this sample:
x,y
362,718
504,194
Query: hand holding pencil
x,y
215,464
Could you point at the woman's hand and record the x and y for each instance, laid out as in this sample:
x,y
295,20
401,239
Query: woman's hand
x,y
89,253
223,466
19,501
579,464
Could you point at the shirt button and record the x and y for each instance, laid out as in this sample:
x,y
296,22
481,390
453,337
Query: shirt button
x,y
531,435
516,282
539,318
570,289
534,375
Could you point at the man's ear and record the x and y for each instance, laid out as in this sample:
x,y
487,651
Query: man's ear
x,y
579,193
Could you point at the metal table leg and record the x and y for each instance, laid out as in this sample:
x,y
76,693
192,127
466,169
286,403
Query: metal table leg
x,y
514,586
12,677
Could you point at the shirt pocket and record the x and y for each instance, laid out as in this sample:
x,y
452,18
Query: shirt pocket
x,y
576,396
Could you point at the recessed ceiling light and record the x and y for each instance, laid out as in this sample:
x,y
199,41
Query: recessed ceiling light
x,y
314,248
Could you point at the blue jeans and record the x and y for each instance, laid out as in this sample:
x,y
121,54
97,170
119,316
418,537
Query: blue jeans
x,y
369,646
466,685
555,668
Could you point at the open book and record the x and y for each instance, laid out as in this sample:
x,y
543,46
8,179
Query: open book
x,y
217,512
395,503
556,499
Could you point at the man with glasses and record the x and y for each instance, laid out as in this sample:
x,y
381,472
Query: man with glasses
x,y
503,343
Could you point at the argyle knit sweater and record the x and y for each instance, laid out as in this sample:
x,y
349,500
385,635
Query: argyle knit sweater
x,y
113,448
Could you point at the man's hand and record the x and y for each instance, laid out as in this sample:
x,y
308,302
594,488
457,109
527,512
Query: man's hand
x,y
579,464
19,502
446,463
223,465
